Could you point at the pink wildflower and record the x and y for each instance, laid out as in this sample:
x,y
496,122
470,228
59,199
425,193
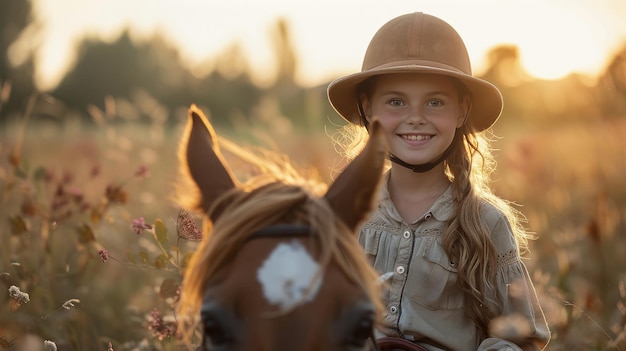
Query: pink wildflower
x,y
160,328
141,171
139,224
76,194
95,171
67,178
104,254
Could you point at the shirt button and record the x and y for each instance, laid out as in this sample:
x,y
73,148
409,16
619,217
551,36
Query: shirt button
x,y
400,270
406,234
428,215
393,309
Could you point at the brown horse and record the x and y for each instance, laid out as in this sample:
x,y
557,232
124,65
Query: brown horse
x,y
279,267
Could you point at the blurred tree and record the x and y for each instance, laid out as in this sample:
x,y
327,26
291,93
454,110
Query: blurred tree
x,y
15,18
101,69
293,100
504,67
612,87
532,100
154,66
228,90
285,55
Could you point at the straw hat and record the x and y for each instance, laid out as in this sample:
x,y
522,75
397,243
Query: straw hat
x,y
420,43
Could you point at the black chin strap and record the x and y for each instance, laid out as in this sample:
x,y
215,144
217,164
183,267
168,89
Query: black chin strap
x,y
424,167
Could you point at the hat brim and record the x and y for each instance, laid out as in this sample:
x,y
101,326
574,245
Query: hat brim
x,y
487,100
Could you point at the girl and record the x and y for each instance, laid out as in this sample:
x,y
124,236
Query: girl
x,y
450,247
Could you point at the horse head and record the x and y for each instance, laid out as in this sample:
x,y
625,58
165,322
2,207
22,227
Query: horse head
x,y
280,267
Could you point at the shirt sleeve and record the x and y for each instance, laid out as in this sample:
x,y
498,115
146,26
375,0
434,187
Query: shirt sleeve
x,y
522,321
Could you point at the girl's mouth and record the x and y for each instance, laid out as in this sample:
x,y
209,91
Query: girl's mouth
x,y
415,137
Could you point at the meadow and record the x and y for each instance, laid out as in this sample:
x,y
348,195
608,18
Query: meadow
x,y
92,244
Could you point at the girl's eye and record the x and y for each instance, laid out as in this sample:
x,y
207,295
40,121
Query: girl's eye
x,y
434,103
396,102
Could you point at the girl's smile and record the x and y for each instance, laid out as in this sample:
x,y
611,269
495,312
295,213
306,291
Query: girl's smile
x,y
419,113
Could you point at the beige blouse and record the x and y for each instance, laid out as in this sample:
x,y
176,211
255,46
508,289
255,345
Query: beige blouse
x,y
423,302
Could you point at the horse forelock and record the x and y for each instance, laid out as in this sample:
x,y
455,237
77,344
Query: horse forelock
x,y
263,204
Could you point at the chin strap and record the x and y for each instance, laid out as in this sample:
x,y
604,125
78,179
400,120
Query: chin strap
x,y
424,167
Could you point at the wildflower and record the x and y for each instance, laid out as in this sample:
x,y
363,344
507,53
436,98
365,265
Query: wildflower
x,y
110,347
18,298
104,254
67,178
16,294
186,228
177,296
18,225
142,171
160,328
139,224
95,171
115,194
60,203
48,175
70,303
29,207
49,345
15,159
76,194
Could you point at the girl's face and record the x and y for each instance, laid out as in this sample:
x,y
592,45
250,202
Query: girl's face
x,y
419,113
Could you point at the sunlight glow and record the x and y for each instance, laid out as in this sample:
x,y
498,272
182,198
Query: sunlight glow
x,y
555,37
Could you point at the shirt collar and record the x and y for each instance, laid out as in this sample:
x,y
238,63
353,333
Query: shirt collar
x,y
442,210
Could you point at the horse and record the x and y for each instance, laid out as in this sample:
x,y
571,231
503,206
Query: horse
x,y
279,267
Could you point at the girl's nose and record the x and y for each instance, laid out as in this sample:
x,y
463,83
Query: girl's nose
x,y
415,117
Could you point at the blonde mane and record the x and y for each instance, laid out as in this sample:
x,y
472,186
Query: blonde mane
x,y
274,194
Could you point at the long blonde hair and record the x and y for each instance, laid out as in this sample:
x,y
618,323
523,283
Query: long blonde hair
x,y
469,167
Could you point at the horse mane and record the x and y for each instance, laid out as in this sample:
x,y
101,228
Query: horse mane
x,y
274,193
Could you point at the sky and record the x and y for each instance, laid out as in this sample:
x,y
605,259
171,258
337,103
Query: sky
x,y
555,37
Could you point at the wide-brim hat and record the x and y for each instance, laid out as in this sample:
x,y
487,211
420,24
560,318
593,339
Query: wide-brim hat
x,y
418,43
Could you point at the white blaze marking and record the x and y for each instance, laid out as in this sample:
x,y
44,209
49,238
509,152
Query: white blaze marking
x,y
286,275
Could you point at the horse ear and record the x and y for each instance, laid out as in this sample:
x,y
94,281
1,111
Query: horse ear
x,y
205,164
353,193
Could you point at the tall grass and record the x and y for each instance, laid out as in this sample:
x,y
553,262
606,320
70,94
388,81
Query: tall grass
x,y
70,192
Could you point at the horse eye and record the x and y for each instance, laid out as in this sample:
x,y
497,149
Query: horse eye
x,y
214,334
362,331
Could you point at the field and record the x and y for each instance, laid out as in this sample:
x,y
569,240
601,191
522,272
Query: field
x,y
69,193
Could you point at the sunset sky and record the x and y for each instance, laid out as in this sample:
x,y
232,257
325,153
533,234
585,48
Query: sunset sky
x,y
555,37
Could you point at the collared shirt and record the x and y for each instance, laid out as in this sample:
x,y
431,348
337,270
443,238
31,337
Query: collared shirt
x,y
423,301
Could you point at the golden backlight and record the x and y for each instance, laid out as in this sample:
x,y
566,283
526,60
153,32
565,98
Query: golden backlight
x,y
555,37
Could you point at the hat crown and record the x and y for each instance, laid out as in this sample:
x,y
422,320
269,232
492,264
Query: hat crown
x,y
417,39
424,44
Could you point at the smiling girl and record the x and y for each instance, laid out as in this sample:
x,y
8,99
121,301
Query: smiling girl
x,y
450,247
